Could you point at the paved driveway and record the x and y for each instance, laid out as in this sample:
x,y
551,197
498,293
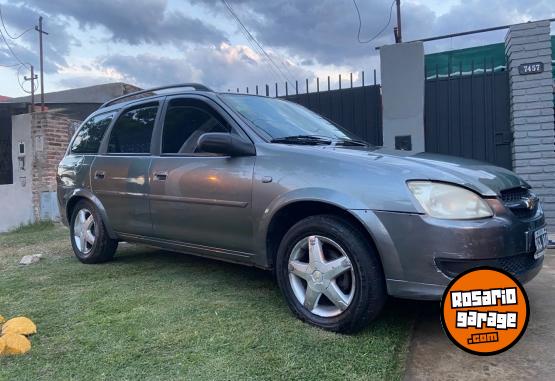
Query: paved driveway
x,y
433,357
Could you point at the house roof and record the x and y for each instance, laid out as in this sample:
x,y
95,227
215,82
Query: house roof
x,y
90,94
3,98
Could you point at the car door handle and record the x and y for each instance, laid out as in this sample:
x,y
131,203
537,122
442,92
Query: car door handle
x,y
160,176
99,175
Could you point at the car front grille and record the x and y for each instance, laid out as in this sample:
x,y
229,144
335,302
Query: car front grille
x,y
515,265
520,201
514,194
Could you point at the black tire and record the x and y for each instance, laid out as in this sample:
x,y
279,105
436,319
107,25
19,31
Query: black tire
x,y
370,291
103,248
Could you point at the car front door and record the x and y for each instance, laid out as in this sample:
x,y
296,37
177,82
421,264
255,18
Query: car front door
x,y
119,175
199,200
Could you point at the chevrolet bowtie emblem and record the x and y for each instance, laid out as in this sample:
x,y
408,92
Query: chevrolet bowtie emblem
x,y
530,202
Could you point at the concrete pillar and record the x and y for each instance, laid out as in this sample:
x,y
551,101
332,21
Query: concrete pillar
x,y
403,80
532,110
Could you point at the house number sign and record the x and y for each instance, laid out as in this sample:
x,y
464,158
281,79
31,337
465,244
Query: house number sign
x,y
530,68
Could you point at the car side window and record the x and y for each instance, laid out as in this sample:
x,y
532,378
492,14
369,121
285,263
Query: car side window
x,y
89,136
132,131
185,121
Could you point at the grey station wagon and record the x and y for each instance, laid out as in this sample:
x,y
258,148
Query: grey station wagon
x,y
267,183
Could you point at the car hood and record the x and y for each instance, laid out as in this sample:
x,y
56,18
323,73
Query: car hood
x,y
484,178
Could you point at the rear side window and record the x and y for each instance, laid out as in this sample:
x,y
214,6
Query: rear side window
x,y
90,135
132,131
185,121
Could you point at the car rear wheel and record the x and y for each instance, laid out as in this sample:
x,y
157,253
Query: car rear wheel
x,y
330,274
89,238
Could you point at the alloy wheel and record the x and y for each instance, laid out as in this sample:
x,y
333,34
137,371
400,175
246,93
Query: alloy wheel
x,y
321,276
84,231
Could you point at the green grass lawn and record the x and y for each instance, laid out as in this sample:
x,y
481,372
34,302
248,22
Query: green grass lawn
x,y
152,314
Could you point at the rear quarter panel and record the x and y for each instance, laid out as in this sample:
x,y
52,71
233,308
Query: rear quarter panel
x,y
73,174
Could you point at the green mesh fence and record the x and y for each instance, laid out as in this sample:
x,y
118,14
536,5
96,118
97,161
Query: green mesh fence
x,y
471,60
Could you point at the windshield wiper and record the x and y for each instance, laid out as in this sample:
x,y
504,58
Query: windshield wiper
x,y
302,139
350,142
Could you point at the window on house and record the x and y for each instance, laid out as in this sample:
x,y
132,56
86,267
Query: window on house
x,y
132,131
185,121
90,135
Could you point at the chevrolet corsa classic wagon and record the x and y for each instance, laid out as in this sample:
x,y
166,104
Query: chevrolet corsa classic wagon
x,y
267,183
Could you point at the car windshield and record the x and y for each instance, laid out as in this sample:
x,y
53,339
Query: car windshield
x,y
281,120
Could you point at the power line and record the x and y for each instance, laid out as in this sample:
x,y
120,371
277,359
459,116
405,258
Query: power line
x,y
19,65
6,29
360,24
12,65
252,41
18,74
253,46
11,50
251,37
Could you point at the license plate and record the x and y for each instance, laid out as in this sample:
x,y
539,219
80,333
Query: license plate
x,y
541,239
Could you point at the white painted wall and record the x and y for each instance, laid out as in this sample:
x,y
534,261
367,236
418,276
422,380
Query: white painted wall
x,y
16,200
402,67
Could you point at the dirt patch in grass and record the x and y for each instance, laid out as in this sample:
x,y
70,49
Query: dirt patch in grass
x,y
152,314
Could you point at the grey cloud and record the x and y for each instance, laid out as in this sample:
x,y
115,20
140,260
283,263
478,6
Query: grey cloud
x,y
475,14
222,73
140,21
56,44
325,30
221,68
147,70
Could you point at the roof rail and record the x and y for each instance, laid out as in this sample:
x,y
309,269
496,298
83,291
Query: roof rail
x,y
196,86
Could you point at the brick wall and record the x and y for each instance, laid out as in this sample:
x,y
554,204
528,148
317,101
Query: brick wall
x,y
50,134
532,111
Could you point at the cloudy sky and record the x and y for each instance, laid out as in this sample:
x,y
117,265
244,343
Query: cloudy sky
x,y
155,42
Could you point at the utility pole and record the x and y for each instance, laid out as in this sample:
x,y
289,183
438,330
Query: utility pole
x,y
32,79
41,32
397,29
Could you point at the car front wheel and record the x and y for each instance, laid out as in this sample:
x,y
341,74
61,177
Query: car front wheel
x,y
330,274
89,238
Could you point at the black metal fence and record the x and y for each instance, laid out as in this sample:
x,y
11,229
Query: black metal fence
x,y
6,169
467,114
356,108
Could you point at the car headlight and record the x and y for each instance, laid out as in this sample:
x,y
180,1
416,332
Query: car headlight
x,y
450,202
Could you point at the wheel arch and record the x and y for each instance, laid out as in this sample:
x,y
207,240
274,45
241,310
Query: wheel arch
x,y
291,213
84,194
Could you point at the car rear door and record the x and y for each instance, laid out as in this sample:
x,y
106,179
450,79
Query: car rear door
x,y
120,174
201,200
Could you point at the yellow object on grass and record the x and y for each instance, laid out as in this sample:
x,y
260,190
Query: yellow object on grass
x,y
14,344
2,320
19,325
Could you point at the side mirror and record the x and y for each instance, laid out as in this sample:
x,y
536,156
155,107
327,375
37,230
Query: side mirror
x,y
225,144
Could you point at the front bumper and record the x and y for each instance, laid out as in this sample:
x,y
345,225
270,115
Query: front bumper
x,y
421,254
